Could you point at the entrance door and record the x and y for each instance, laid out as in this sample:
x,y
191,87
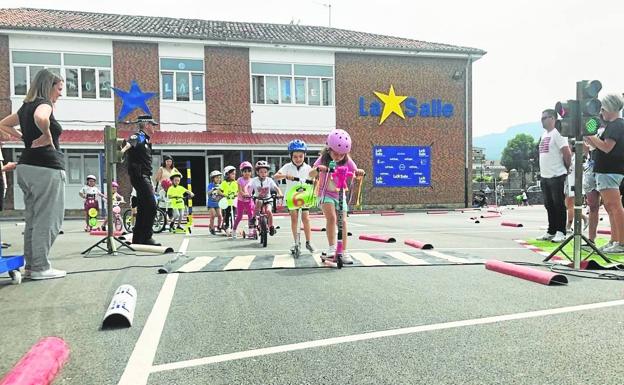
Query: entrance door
x,y
198,176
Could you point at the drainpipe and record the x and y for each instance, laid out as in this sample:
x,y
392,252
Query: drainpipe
x,y
467,202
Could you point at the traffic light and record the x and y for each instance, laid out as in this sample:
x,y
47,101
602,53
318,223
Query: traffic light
x,y
589,104
568,111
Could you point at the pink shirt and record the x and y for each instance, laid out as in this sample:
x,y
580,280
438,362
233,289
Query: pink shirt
x,y
332,191
243,187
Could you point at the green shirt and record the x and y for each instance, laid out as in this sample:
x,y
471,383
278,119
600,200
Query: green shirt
x,y
176,196
230,191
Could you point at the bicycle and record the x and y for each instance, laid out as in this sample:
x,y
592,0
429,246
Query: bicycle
x,y
263,219
160,219
298,197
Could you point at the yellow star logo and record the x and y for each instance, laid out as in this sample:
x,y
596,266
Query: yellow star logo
x,y
392,103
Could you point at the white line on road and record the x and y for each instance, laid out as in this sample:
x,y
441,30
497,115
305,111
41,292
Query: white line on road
x,y
407,258
447,257
366,259
240,262
283,260
140,363
195,265
379,334
368,249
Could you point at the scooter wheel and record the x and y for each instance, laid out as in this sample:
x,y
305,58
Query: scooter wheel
x,y
16,277
244,235
339,262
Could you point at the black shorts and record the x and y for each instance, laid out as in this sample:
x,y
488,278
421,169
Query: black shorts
x,y
133,202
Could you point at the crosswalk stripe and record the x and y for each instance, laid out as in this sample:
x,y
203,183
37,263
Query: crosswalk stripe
x,y
196,264
449,258
240,262
283,260
407,258
366,259
317,259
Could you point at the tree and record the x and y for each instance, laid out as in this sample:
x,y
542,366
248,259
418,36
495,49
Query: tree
x,y
517,154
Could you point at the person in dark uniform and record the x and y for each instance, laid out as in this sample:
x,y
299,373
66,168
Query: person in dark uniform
x,y
139,159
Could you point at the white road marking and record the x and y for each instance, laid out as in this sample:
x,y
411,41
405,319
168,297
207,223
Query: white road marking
x,y
407,258
380,334
140,363
283,260
366,259
240,262
449,258
368,249
195,265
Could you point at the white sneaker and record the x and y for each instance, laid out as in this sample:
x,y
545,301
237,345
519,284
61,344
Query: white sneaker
x,y
559,237
331,251
234,235
347,259
616,248
608,245
546,237
47,274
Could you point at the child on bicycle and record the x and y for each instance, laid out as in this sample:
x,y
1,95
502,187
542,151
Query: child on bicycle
x,y
90,193
337,150
212,202
297,168
263,186
118,199
175,194
229,189
244,203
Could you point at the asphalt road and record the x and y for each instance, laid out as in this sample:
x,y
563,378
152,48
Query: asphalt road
x,y
264,325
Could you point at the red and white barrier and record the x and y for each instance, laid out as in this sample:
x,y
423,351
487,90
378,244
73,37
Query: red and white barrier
x,y
418,244
511,224
377,238
528,273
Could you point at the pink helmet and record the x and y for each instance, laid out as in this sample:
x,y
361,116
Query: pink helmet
x,y
114,184
339,141
245,164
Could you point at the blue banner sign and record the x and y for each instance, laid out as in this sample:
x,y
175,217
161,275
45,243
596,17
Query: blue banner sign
x,y
402,166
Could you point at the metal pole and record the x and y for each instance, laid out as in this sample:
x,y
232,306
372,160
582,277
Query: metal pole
x,y
109,150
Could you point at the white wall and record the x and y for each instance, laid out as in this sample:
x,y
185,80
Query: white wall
x,y
70,109
292,118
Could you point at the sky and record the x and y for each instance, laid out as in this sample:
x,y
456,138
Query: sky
x,y
536,50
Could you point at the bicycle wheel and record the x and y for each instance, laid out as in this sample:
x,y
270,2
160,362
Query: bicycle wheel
x,y
127,220
160,221
264,231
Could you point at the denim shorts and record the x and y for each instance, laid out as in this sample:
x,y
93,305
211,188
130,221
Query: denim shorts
x,y
589,181
608,181
334,201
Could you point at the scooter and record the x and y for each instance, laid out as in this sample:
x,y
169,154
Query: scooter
x,y
340,176
297,198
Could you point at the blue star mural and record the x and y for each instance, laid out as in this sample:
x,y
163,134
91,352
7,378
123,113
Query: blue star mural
x,y
133,98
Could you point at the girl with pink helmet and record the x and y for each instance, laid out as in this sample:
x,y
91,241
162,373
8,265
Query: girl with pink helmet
x,y
244,203
337,149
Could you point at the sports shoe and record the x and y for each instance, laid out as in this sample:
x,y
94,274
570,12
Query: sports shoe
x,y
293,247
559,237
213,232
234,235
47,274
330,251
272,231
616,248
310,247
546,237
347,259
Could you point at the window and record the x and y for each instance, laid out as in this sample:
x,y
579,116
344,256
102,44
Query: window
x,y
301,84
81,165
182,80
86,76
74,169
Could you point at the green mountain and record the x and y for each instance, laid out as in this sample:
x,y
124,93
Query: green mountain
x,y
495,143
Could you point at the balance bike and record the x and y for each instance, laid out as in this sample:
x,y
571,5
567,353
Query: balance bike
x,y
339,176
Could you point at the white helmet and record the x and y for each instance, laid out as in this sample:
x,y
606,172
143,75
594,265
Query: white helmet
x,y
227,169
91,176
215,173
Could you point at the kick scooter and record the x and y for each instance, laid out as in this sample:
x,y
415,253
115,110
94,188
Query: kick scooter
x,y
339,175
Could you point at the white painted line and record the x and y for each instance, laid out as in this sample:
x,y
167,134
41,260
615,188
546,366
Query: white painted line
x,y
140,363
240,262
283,260
449,258
407,258
369,249
195,265
317,259
184,246
366,259
380,334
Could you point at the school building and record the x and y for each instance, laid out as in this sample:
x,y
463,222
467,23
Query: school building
x,y
232,91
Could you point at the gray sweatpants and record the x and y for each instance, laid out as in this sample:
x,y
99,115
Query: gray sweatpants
x,y
44,206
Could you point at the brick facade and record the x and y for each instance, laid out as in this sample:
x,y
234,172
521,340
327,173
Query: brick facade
x,y
424,78
5,84
227,89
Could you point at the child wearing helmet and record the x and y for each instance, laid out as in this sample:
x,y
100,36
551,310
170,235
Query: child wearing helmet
x,y
90,193
297,168
262,186
175,194
244,203
117,197
337,149
229,187
213,194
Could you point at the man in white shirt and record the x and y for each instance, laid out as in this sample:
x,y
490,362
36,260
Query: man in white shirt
x,y
554,161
